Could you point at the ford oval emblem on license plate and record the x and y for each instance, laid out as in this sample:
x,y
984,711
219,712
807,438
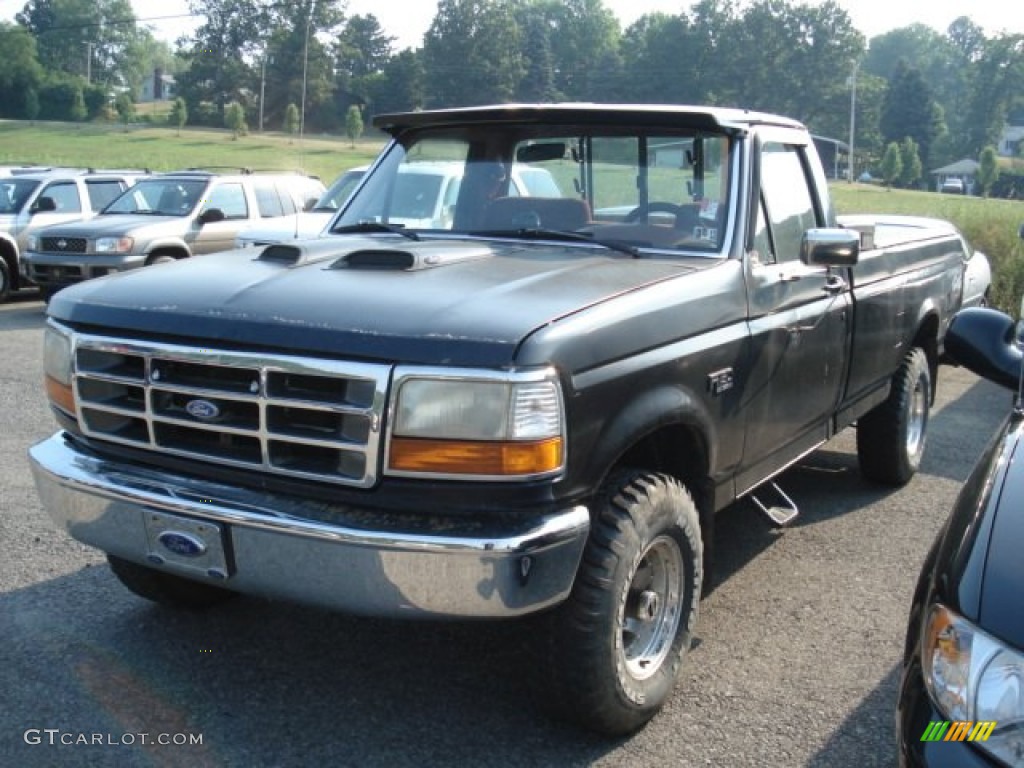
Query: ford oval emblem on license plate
x,y
182,544
203,410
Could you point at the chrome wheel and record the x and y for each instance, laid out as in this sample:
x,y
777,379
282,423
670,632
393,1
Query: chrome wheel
x,y
652,608
916,419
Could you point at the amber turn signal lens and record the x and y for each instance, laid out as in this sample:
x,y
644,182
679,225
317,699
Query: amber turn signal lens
x,y
60,395
475,457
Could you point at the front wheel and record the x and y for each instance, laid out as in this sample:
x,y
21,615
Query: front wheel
x,y
5,281
891,437
614,648
166,588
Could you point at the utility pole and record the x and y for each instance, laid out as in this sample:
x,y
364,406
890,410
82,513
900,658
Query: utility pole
x,y
305,66
263,86
88,62
853,116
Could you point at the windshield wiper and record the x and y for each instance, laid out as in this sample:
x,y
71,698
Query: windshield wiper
x,y
374,226
534,233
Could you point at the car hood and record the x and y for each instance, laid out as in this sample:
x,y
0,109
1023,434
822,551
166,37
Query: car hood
x,y
443,302
118,225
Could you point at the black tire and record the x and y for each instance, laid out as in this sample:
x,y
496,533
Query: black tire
x,y
5,281
160,258
613,650
891,437
166,588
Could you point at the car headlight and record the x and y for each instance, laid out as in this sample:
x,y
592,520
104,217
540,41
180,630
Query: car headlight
x,y
32,242
974,677
501,426
57,364
114,244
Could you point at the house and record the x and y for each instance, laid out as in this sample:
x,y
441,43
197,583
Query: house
x,y
159,87
1011,141
965,170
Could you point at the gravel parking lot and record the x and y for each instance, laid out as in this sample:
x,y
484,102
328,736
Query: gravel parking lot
x,y
795,663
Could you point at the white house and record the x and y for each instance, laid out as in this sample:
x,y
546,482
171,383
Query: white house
x,y
1010,141
159,87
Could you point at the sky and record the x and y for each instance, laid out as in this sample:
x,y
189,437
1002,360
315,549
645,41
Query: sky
x,y
409,19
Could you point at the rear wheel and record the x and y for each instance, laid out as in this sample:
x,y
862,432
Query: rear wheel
x,y
5,280
614,648
891,437
166,588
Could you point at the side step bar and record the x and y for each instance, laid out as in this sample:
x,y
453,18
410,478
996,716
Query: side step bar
x,y
783,512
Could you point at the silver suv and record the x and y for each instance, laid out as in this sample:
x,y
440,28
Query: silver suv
x,y
163,218
33,197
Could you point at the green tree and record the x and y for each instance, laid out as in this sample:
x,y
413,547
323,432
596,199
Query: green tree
x,y
471,53
125,106
90,38
363,48
31,104
892,164
988,170
400,86
78,111
910,111
538,83
234,118
910,161
179,114
291,121
353,124
21,71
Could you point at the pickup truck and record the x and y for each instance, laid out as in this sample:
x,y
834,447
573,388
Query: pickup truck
x,y
532,408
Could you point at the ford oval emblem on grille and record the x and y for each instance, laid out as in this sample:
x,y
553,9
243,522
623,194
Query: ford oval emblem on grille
x,y
203,410
62,244
182,544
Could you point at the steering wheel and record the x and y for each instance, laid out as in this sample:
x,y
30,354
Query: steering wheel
x,y
642,211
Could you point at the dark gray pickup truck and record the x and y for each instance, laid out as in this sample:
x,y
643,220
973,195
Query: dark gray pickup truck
x,y
535,406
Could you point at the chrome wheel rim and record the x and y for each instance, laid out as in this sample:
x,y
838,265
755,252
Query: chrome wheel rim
x,y
916,420
652,608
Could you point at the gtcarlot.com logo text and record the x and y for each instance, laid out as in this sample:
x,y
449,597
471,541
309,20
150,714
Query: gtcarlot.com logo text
x,y
56,736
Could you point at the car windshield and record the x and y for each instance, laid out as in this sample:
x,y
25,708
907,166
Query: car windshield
x,y
160,197
339,191
648,190
14,193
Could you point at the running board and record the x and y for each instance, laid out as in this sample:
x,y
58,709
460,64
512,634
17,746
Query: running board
x,y
782,513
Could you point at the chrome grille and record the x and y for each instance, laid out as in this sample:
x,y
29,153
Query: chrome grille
x,y
301,417
63,244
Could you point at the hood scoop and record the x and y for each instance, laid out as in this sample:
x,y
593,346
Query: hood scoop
x,y
288,255
425,255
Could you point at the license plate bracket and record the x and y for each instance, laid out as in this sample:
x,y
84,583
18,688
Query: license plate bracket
x,y
199,547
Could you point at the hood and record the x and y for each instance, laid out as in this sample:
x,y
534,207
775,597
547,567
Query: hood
x,y
298,227
117,225
443,302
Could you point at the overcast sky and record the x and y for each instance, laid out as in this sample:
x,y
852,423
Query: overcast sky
x,y
409,19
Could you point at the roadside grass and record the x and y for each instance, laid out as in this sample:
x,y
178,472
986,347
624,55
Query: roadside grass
x,y
159,148
989,225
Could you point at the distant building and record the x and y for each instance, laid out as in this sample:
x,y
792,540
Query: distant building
x,y
835,156
159,87
965,170
1010,141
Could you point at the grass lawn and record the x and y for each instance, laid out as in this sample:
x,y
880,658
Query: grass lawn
x,y
162,149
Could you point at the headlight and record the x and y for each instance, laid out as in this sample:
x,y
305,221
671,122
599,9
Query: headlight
x,y
114,244
32,242
57,359
973,677
501,426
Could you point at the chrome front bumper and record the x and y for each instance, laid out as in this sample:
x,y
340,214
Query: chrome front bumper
x,y
352,559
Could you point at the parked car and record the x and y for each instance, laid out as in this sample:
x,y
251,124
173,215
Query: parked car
x,y
961,695
164,218
33,197
424,198
953,187
977,279
308,223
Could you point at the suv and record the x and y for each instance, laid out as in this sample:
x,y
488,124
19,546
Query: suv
x,y
31,198
424,196
166,217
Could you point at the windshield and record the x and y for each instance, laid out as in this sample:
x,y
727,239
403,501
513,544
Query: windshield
x,y
339,191
160,197
648,190
14,193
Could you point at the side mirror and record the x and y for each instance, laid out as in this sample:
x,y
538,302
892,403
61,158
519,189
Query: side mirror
x,y
44,205
985,341
211,215
830,248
